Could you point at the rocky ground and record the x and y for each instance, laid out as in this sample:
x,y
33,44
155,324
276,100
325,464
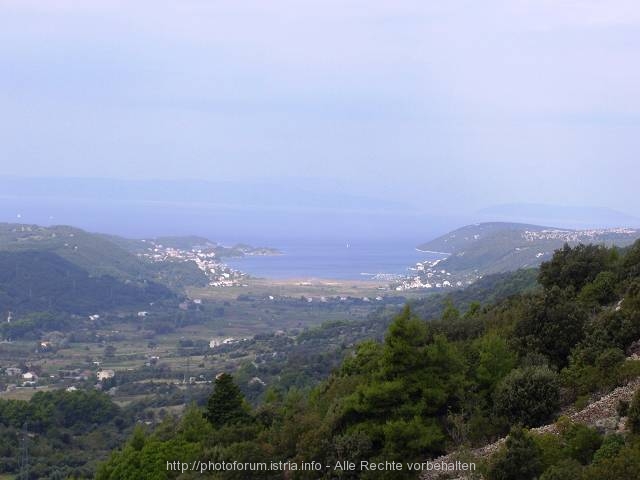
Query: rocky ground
x,y
601,414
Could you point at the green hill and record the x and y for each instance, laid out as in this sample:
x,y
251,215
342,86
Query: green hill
x,y
33,281
98,254
190,242
500,247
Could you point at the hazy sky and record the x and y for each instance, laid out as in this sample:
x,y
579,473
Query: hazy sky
x,y
446,104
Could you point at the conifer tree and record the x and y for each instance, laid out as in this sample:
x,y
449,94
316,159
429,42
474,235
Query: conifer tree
x,y
226,404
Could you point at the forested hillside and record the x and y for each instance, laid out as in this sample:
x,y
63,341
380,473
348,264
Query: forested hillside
x,y
98,254
438,385
60,434
39,281
93,253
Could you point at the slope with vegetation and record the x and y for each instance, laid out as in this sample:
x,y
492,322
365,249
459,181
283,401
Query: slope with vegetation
x,y
500,247
39,281
430,387
59,434
95,254
62,269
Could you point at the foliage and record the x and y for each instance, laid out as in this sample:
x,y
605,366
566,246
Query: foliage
x,y
631,262
581,443
601,291
38,281
574,267
518,460
495,360
528,396
552,324
460,379
564,470
625,465
633,415
610,448
84,425
226,404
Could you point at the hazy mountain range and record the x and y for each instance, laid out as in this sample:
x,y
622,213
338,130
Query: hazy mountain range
x,y
558,215
260,213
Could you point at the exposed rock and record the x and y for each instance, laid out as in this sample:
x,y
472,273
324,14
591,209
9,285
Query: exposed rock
x,y
634,349
601,414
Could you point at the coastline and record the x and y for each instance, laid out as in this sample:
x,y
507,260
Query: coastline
x,y
432,251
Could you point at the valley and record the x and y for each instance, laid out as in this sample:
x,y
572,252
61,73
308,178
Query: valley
x,y
151,324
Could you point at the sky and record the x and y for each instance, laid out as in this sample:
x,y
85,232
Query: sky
x,y
445,106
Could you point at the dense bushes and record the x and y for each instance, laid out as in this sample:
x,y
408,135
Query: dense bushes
x,y
633,421
552,324
39,281
577,453
575,267
54,422
528,396
519,460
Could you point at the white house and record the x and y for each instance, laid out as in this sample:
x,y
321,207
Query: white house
x,y
105,375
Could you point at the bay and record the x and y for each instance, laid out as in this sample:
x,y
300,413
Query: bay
x,y
359,260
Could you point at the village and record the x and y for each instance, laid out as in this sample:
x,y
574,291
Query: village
x,y
429,276
30,376
575,236
218,273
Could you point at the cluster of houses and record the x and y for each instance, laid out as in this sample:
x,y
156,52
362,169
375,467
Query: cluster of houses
x,y
23,377
589,235
218,273
216,342
429,276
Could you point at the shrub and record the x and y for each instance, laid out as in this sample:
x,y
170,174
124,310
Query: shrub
x,y
567,469
611,446
633,416
518,460
582,442
530,396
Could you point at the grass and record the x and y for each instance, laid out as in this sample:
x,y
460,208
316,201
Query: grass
x,y
24,393
314,288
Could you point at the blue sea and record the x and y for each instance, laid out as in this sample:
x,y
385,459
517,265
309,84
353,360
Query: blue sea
x,y
358,260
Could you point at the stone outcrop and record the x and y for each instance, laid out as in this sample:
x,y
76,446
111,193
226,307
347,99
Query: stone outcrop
x,y
601,414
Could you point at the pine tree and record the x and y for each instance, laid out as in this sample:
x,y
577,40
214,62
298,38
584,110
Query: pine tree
x,y
226,404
